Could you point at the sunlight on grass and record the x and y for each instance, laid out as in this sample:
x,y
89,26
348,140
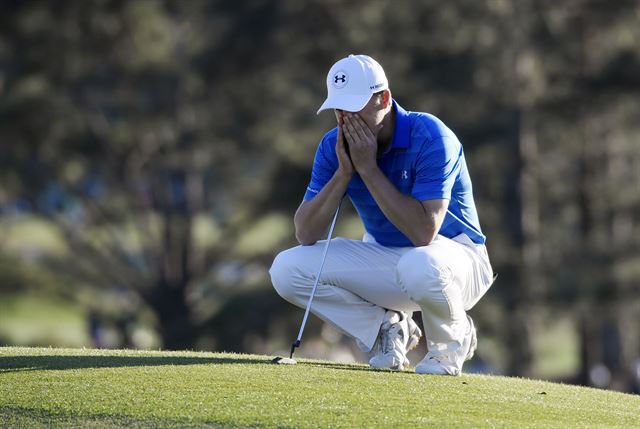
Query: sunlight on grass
x,y
350,226
265,234
556,348
205,231
31,233
34,320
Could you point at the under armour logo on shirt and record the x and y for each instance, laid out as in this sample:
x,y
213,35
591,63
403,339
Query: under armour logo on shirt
x,y
341,78
405,174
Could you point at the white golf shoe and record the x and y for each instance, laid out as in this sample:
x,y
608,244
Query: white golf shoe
x,y
398,334
445,362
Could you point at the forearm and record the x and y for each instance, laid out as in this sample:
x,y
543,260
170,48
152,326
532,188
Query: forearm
x,y
313,217
405,212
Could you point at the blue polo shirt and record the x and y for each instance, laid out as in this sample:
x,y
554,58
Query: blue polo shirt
x,y
426,161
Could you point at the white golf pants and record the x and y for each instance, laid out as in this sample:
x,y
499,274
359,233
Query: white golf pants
x,y
362,279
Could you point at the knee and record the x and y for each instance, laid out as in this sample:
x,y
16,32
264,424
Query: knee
x,y
282,274
423,274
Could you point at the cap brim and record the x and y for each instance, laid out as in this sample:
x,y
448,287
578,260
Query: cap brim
x,y
349,103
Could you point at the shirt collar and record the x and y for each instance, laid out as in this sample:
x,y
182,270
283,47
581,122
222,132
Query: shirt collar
x,y
403,127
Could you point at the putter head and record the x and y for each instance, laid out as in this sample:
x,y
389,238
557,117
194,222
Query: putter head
x,y
284,361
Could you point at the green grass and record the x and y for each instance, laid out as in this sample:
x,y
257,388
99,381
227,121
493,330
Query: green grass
x,y
42,387
30,319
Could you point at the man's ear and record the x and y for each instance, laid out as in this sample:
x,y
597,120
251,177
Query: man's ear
x,y
386,98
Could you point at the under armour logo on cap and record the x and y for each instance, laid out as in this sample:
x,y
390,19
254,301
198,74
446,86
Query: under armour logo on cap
x,y
340,79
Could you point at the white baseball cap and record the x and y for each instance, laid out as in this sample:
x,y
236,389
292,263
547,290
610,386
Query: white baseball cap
x,y
352,81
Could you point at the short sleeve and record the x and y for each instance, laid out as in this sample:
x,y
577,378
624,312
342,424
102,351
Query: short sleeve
x,y
325,164
437,167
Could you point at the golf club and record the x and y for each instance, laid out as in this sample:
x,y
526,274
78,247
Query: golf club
x,y
290,360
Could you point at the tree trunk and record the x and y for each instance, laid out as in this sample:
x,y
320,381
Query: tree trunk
x,y
528,241
169,297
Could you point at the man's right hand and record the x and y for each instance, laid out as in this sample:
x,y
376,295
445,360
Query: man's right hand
x,y
345,166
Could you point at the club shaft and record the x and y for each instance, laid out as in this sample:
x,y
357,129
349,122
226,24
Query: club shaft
x,y
315,284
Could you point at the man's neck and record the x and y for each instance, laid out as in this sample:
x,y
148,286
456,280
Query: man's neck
x,y
385,137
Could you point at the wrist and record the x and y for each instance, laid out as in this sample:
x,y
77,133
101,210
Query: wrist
x,y
368,171
342,176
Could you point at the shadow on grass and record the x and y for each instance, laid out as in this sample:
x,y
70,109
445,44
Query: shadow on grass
x,y
351,367
39,363
36,363
24,417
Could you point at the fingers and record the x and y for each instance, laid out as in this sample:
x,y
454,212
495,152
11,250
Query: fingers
x,y
349,133
363,129
345,166
362,143
357,129
342,145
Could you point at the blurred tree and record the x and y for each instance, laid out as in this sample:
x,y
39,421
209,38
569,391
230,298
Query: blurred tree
x,y
170,142
127,115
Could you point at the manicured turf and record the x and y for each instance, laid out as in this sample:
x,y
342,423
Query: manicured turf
x,y
98,388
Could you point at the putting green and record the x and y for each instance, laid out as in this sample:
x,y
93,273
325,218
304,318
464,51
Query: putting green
x,y
95,388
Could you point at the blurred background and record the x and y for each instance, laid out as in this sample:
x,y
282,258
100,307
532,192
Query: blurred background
x,y
152,154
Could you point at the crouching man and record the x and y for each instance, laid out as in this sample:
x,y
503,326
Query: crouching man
x,y
406,175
